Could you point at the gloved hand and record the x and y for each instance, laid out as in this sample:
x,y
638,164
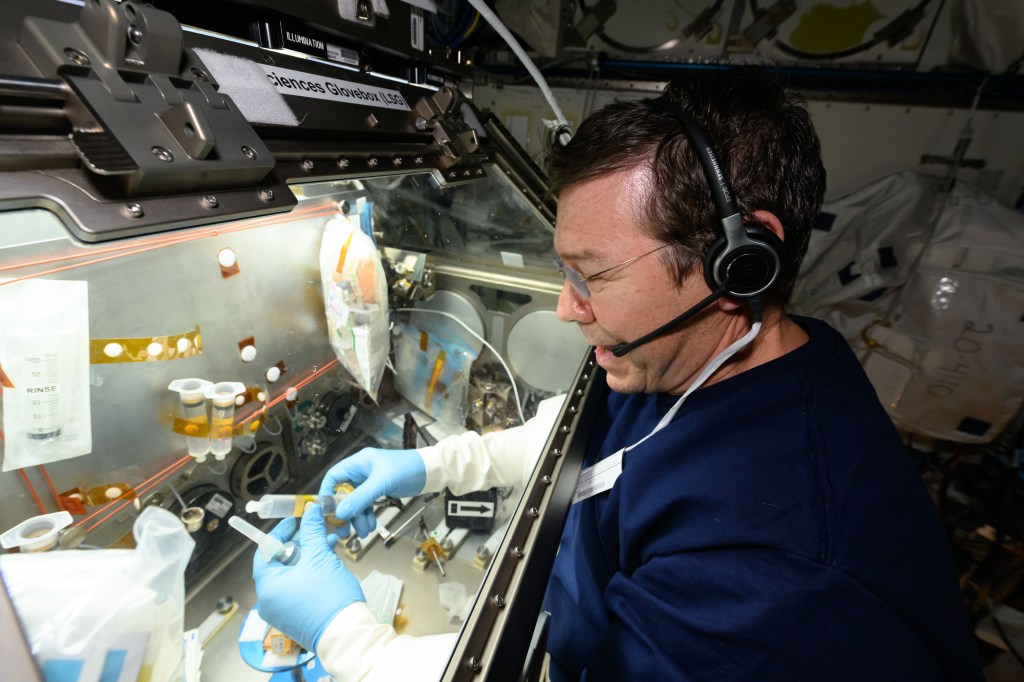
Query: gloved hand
x,y
374,472
302,599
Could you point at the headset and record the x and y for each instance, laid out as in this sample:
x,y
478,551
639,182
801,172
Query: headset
x,y
743,263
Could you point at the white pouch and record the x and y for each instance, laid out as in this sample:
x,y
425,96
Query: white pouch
x,y
355,301
109,613
44,351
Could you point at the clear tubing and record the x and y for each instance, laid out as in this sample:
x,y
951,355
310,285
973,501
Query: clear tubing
x,y
223,416
282,506
192,393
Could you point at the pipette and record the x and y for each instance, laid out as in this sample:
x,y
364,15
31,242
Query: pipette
x,y
270,548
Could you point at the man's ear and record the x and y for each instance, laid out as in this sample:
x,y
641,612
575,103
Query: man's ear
x,y
770,221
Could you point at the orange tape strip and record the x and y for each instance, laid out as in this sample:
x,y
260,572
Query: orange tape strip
x,y
435,376
206,430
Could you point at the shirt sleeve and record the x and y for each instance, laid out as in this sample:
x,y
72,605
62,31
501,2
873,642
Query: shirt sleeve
x,y
469,461
745,613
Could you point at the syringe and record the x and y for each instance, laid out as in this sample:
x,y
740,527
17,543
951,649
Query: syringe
x,y
270,548
282,506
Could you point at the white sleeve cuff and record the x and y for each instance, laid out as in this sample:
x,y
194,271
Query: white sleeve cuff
x,y
356,648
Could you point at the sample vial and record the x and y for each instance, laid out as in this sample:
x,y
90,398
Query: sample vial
x,y
193,409
223,396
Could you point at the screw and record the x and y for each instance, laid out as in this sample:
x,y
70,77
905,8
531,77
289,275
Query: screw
x,y
135,210
418,160
397,161
267,194
342,162
556,453
566,429
518,552
162,153
249,153
372,162
210,200
373,120
474,664
307,164
533,511
452,175
499,601
76,56
421,123
135,34
467,173
200,75
545,479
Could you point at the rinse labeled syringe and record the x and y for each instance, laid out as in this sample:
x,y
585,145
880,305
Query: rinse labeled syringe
x,y
270,548
283,506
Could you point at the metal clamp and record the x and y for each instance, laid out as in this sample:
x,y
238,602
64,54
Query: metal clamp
x,y
143,108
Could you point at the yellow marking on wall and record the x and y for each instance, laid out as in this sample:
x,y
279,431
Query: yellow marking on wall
x,y
828,28
146,348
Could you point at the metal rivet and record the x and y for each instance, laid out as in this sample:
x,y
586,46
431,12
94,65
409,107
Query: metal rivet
x,y
556,453
372,162
397,161
307,164
518,552
418,160
573,409
135,34
467,173
342,163
452,175
249,153
499,601
479,171
586,377
546,480
76,56
210,201
474,664
579,391
533,511
565,429
135,210
162,153
267,194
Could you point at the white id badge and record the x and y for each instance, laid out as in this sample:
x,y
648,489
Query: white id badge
x,y
599,477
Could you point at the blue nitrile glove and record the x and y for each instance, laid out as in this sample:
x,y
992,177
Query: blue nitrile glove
x,y
374,472
301,600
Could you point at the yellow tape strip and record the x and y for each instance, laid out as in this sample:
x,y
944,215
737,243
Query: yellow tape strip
x,y
146,348
434,377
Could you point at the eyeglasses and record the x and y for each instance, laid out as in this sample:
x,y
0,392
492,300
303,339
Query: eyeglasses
x,y
579,281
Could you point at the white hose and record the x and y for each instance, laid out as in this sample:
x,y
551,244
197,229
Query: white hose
x,y
492,19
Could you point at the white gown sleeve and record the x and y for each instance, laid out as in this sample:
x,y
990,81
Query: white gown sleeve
x,y
469,461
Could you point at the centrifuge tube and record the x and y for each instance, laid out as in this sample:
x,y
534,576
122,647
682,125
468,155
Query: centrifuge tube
x,y
222,422
193,410
271,549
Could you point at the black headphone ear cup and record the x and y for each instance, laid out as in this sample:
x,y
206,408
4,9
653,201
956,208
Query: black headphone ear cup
x,y
749,269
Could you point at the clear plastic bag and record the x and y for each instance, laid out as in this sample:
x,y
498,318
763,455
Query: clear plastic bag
x,y
432,370
355,301
44,351
115,613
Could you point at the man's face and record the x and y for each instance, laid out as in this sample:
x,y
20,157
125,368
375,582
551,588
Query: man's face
x,y
597,229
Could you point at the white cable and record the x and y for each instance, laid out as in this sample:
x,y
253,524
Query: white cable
x,y
482,340
492,19
705,374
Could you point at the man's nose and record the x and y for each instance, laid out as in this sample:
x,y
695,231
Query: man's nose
x,y
572,307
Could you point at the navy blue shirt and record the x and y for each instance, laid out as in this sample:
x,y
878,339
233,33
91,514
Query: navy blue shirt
x,y
775,530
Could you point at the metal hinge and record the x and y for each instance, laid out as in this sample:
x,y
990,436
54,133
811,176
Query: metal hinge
x,y
144,110
442,114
